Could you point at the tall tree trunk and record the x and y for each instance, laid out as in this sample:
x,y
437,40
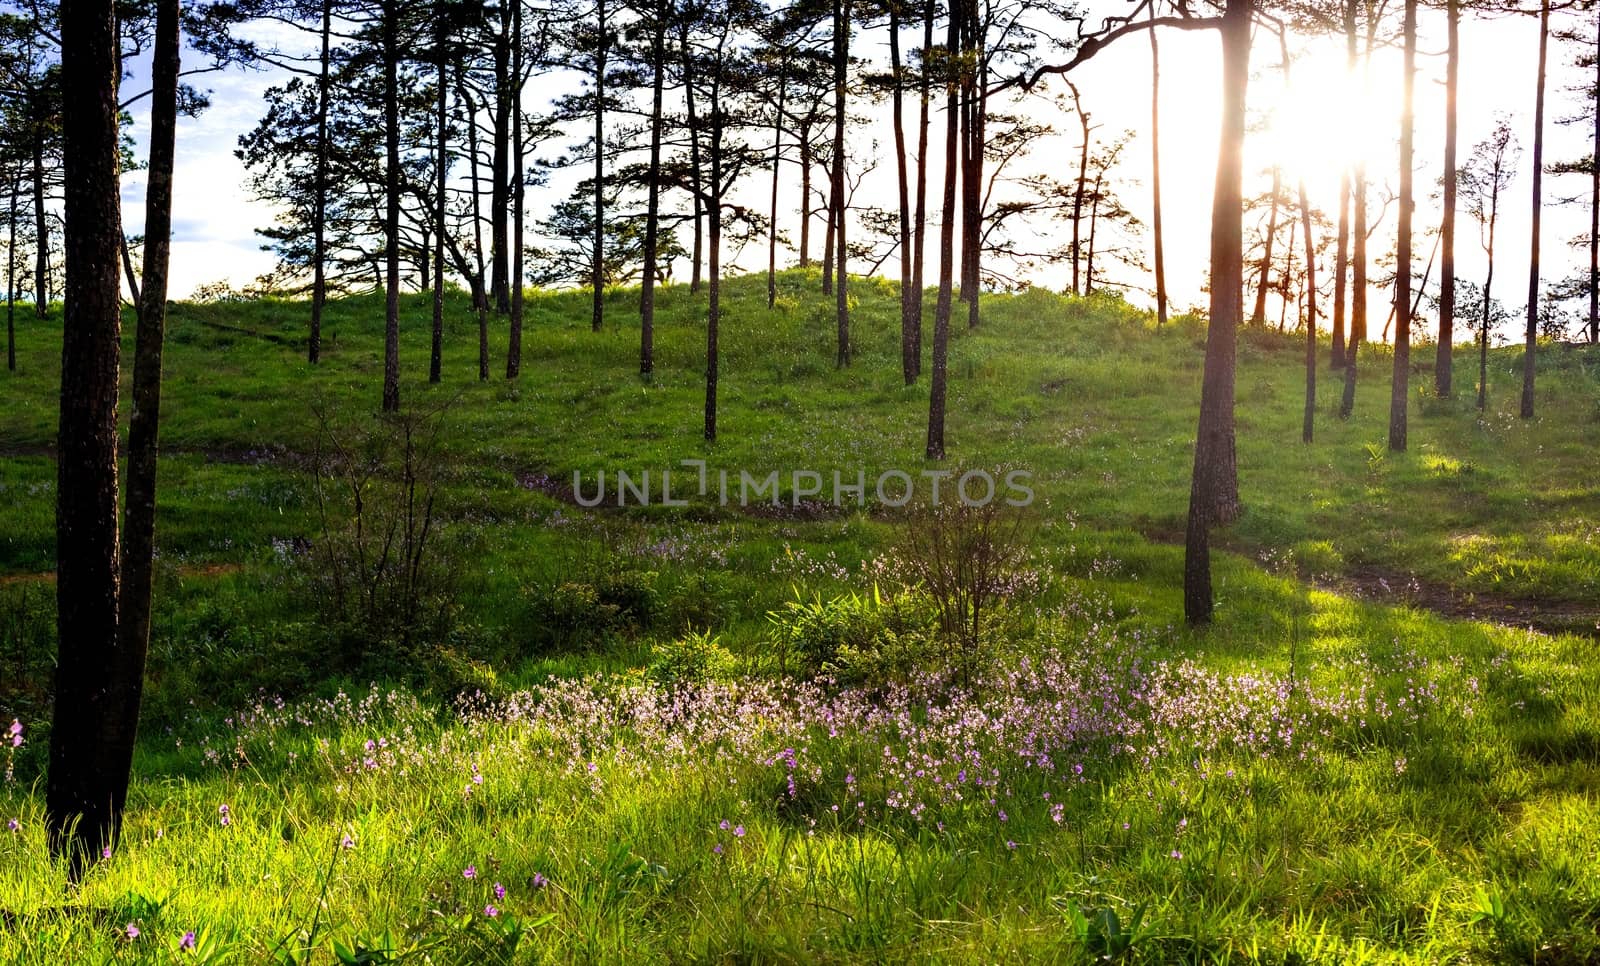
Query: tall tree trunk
x,y
41,234
652,223
777,162
694,158
841,67
947,225
1308,422
1488,288
91,739
1400,383
435,357
972,173
827,241
1083,180
597,278
11,278
1155,176
714,310
480,298
1214,489
1094,222
500,161
391,224
1341,271
920,229
139,513
1258,317
319,212
908,294
1532,339
514,346
1594,201
1444,354
805,194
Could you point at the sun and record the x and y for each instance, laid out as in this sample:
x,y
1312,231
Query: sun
x,y
1324,122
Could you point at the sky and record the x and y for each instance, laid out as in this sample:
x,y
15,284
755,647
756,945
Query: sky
x,y
1311,128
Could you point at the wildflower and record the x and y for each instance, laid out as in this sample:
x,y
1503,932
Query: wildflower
x,y
1010,844
347,842
12,825
15,733
1176,854
738,831
187,942
224,816
539,881
131,931
723,825
491,911
717,849
499,891
105,853
1400,765
470,872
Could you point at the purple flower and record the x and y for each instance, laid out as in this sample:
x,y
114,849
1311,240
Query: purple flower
x,y
1176,854
723,825
470,872
717,849
187,942
738,831
224,816
499,891
1010,844
539,881
12,825
15,733
105,853
131,931
347,842
491,911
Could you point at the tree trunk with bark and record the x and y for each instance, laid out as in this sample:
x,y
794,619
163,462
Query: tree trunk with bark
x,y
139,513
518,187
1532,336
1155,176
908,294
442,161
941,318
319,212
1214,487
1444,352
597,281
91,739
1400,383
652,223
391,222
841,67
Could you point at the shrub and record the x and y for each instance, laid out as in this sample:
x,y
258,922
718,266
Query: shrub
x,y
855,639
384,568
965,559
697,656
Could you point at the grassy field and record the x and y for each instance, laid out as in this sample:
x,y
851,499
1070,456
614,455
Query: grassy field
x,y
1386,750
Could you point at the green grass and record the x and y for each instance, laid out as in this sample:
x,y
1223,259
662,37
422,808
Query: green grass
x,y
1461,825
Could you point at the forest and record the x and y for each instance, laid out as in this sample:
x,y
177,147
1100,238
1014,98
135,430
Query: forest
x,y
703,480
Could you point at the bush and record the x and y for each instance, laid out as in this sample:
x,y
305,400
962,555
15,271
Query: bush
x,y
855,639
384,568
697,656
965,559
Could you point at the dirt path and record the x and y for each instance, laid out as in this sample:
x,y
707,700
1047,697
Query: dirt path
x,y
1391,587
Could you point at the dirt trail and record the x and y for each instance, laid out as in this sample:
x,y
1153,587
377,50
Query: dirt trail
x,y
1380,586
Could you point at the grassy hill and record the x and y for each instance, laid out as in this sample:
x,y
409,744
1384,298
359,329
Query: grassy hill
x,y
1370,757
